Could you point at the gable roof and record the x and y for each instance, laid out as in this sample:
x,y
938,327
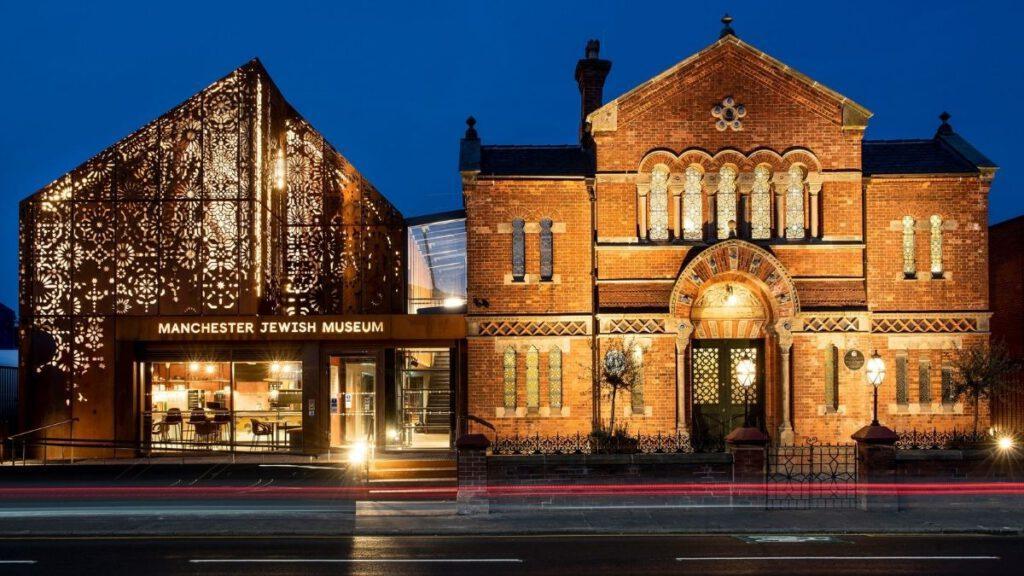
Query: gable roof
x,y
556,160
856,113
911,157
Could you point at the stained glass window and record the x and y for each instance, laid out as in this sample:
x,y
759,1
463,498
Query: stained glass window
x,y
947,385
795,203
725,201
659,205
737,394
693,200
637,392
831,378
924,381
760,204
532,378
547,267
509,366
705,376
909,259
518,250
901,380
555,377
936,245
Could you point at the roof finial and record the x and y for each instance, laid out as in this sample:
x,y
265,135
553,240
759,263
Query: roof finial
x,y
470,130
727,26
945,128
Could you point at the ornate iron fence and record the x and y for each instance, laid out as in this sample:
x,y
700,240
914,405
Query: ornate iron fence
x,y
676,443
942,440
811,476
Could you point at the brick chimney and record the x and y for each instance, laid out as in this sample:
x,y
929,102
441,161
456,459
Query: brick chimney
x,y
590,74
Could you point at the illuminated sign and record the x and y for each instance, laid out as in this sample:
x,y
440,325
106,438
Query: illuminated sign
x,y
276,327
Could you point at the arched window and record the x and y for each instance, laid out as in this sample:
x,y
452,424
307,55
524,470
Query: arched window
x,y
532,379
659,204
509,380
795,203
725,201
547,266
693,202
761,204
555,377
637,392
936,245
518,250
909,257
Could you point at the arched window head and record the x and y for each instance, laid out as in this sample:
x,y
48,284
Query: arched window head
x,y
658,212
532,378
555,377
909,257
761,204
936,245
547,265
795,178
518,250
725,200
693,204
509,379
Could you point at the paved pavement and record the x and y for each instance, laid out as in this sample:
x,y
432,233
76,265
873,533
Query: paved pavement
x,y
533,555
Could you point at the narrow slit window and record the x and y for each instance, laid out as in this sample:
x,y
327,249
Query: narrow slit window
x,y
637,395
924,386
947,385
909,256
831,379
532,379
795,229
547,265
725,202
509,366
693,202
555,377
518,250
936,245
901,380
658,212
760,204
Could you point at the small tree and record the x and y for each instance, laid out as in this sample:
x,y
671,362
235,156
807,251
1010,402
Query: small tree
x,y
619,372
981,372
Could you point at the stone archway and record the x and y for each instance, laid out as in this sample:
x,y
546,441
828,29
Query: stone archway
x,y
759,273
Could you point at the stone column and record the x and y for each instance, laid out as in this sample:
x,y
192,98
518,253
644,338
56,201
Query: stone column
x,y
684,331
643,188
814,188
784,334
471,497
675,190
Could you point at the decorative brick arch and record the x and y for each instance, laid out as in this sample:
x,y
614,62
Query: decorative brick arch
x,y
744,262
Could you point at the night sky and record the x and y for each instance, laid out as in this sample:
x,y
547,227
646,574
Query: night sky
x,y
390,84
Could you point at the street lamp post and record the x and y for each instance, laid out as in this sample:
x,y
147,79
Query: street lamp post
x,y
875,374
746,371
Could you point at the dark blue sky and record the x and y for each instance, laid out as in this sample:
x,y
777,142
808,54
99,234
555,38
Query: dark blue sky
x,y
390,83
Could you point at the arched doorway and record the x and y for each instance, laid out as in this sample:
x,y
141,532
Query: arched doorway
x,y
729,326
732,300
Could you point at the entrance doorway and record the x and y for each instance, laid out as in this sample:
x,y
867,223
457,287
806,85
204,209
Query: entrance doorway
x,y
352,399
718,397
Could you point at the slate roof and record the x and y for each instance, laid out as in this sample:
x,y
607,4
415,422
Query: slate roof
x,y
535,161
946,153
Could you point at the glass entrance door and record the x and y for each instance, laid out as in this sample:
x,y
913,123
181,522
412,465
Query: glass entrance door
x,y
352,399
718,397
422,418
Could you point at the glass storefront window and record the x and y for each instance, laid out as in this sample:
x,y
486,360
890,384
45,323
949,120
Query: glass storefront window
x,y
253,406
353,399
423,400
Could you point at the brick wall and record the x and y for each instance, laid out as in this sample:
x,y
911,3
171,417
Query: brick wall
x,y
1006,289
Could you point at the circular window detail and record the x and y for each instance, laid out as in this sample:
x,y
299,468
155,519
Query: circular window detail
x,y
728,114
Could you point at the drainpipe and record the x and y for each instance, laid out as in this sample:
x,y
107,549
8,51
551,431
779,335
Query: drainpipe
x,y
594,325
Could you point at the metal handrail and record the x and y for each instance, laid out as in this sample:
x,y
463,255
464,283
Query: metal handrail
x,y
19,435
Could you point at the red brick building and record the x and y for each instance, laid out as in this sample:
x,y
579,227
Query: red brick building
x,y
1006,289
728,208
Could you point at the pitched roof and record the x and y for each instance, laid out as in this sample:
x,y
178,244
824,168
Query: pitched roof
x,y
535,161
912,157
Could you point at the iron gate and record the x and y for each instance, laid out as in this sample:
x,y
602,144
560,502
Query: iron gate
x,y
811,476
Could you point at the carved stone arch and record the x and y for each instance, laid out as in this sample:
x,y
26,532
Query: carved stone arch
x,y
743,261
768,157
656,157
729,156
804,157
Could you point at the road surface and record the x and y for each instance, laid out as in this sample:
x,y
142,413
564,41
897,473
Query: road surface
x,y
532,555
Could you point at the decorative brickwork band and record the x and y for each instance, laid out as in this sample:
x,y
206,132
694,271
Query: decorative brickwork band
x,y
929,325
633,326
511,327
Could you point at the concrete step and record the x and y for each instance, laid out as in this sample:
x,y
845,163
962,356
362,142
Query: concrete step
x,y
412,473
405,464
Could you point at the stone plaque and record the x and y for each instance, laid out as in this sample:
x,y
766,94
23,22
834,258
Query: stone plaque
x,y
854,359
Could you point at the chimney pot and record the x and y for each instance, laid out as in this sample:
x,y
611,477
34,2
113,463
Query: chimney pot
x,y
591,72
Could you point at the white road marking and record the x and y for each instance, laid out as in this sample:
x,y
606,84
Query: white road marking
x,y
17,561
780,558
355,560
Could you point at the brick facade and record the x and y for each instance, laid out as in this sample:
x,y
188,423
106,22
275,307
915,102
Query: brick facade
x,y
828,280
1006,287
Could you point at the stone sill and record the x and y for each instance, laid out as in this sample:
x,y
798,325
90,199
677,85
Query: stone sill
x,y
522,412
681,458
826,411
532,280
935,408
627,412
